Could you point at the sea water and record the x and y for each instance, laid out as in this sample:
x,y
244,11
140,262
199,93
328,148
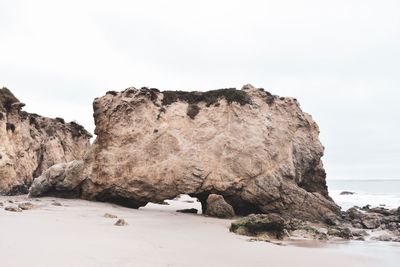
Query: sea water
x,y
385,193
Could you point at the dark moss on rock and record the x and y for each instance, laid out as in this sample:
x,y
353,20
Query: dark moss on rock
x,y
60,120
23,115
114,93
7,99
150,93
161,110
256,224
33,120
192,111
10,127
209,97
19,189
77,130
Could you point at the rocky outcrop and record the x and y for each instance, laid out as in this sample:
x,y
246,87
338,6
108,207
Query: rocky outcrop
x,y
361,224
259,151
29,144
217,207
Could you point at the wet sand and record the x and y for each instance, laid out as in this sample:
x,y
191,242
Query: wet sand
x,y
78,234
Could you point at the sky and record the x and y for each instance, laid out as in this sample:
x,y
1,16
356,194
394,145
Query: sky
x,y
340,59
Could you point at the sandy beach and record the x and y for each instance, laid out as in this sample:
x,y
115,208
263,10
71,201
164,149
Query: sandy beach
x,y
78,234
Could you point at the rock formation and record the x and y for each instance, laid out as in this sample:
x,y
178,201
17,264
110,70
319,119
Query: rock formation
x,y
259,151
29,144
217,207
355,224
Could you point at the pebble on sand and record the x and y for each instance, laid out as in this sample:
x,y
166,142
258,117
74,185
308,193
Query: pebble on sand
x,y
121,222
111,216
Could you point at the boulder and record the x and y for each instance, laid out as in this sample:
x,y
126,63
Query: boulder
x,y
259,151
29,144
217,207
60,180
371,221
256,224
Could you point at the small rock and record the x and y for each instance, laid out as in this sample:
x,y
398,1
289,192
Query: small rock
x,y
55,203
218,207
1,204
193,211
121,222
347,193
13,209
26,206
110,216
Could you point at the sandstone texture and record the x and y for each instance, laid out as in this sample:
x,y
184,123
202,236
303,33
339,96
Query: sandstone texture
x,y
217,207
29,144
260,152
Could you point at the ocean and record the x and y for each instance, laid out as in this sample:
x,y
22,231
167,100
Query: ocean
x,y
385,193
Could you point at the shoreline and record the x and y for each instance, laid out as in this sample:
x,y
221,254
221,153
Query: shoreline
x,y
77,233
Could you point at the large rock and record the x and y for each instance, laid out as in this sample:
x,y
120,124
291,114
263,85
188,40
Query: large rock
x,y
259,151
217,207
29,144
256,224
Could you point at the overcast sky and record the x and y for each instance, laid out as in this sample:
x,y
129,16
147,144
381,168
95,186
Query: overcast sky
x,y
341,59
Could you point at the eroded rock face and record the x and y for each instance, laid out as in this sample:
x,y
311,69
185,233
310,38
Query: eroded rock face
x,y
29,144
260,152
217,207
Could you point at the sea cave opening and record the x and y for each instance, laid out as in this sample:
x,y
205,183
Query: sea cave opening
x,y
182,203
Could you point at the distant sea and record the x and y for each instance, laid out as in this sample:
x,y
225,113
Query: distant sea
x,y
384,193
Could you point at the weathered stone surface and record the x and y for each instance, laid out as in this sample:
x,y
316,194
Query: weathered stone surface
x,y
29,144
62,180
259,151
257,224
217,207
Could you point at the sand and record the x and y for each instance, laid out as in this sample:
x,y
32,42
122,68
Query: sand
x,y
78,234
